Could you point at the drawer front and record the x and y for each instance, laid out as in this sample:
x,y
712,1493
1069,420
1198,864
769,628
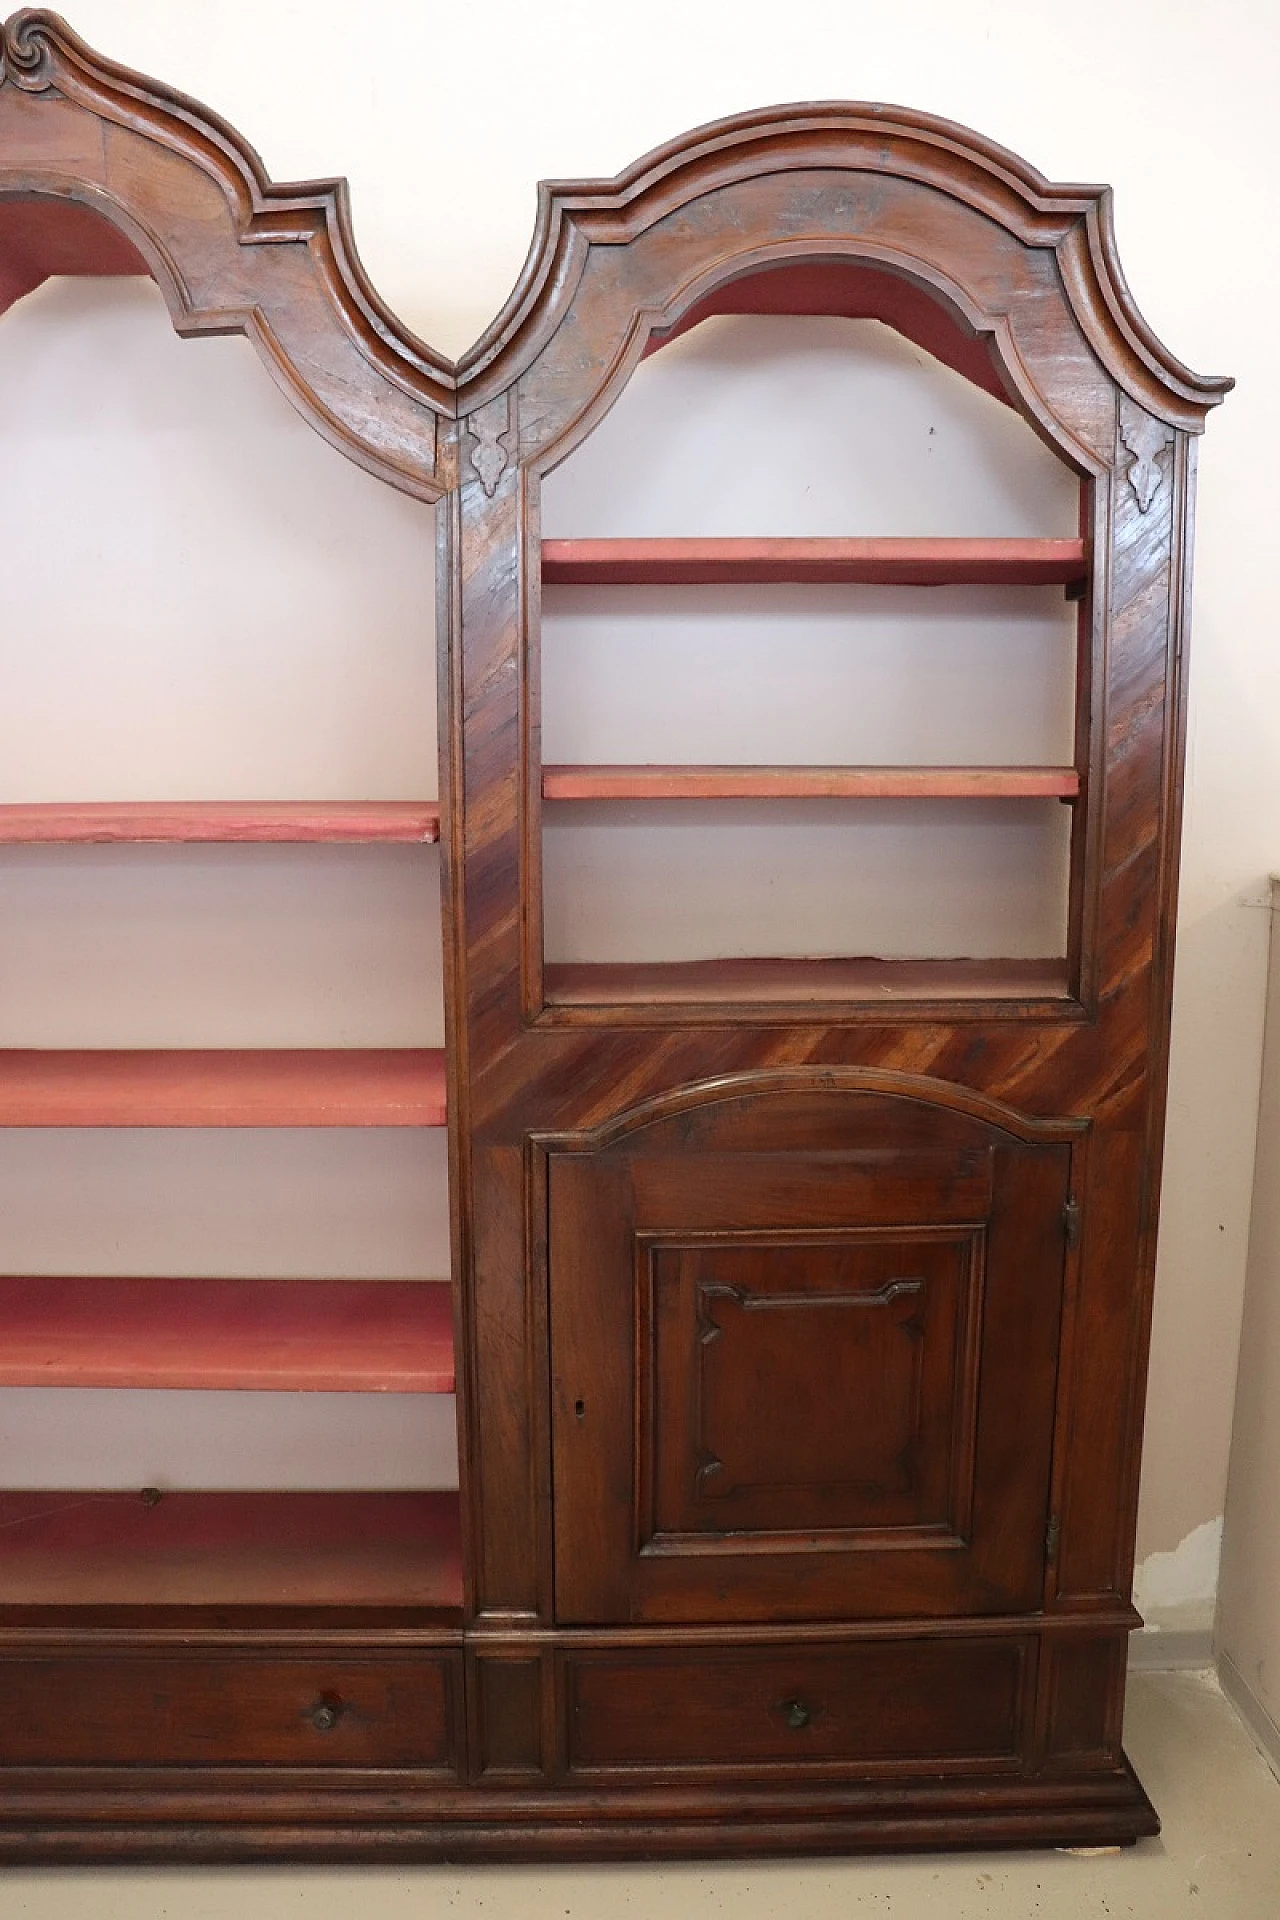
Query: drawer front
x,y
865,1704
224,1709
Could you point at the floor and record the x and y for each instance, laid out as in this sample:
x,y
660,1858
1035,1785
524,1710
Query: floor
x,y
1218,1859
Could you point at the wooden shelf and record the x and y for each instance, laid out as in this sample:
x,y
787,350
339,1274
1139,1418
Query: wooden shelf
x,y
323,1336
808,783
903,563
260,1087
232,1549
744,982
146,822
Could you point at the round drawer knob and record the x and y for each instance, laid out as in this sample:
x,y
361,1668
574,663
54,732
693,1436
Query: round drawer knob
x,y
795,1713
324,1718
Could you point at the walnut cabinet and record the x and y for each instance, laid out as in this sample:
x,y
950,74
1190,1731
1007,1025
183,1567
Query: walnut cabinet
x,y
799,1305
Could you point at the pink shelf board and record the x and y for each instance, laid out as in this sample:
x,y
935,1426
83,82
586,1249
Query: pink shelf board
x,y
322,1336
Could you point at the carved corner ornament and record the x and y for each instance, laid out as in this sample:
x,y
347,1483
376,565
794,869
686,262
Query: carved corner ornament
x,y
489,454
1146,439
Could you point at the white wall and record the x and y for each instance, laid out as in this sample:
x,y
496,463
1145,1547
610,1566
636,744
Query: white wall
x,y
444,118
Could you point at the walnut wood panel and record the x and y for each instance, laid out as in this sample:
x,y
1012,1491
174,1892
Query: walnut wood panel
x,y
1083,1689
135,822
235,1707
809,783
225,1087
319,1336
835,1462
160,1549
915,562
941,1704
510,1715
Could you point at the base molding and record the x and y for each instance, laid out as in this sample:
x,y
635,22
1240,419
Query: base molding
x,y
1263,1730
592,1744
204,1824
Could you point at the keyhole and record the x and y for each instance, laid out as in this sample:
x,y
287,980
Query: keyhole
x,y
580,1408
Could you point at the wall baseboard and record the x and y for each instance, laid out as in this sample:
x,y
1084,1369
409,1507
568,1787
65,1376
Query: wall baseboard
x,y
1173,1651
1262,1728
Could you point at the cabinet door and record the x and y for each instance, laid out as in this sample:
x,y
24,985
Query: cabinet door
x,y
806,1383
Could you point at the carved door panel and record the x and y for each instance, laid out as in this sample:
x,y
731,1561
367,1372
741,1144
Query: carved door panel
x,y
804,1384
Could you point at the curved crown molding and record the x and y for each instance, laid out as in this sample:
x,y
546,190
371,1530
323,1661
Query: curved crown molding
x,y
235,251
280,264
1074,221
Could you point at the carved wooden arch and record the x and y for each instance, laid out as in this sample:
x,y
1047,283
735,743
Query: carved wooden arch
x,y
232,250
778,1082
971,224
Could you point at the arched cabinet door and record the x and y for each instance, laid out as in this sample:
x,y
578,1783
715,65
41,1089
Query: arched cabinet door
x,y
804,1351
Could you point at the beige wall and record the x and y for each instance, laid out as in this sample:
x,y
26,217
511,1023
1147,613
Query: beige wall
x,y
1248,1629
445,116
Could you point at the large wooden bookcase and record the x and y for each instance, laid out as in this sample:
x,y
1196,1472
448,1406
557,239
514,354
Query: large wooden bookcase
x,y
799,1307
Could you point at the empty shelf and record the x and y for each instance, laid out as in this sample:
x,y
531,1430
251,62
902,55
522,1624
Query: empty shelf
x,y
134,822
325,1336
231,1549
260,1087
808,783
744,982
901,562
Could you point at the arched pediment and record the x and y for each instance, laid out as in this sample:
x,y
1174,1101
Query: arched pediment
x,y
1019,269
957,219
232,250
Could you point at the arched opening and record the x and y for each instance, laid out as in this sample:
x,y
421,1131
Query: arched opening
x,y
918,714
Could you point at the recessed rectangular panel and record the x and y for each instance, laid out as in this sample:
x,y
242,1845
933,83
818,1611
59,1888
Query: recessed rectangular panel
x,y
792,1386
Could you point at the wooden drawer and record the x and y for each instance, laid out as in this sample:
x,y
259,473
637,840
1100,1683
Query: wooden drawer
x,y
926,1704
229,1709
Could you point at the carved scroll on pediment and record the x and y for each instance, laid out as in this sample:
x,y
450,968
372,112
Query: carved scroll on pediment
x,y
24,53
